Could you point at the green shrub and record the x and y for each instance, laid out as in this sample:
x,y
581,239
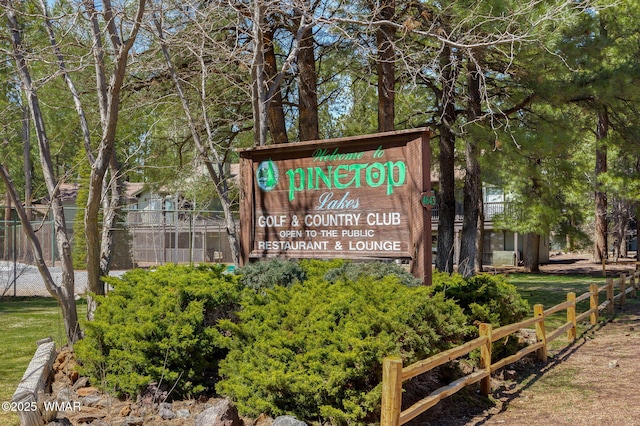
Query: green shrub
x,y
489,299
158,326
270,273
484,298
378,270
315,268
315,349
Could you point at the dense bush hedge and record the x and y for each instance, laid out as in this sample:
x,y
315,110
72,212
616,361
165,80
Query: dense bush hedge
x,y
159,326
315,349
268,274
304,338
484,298
375,270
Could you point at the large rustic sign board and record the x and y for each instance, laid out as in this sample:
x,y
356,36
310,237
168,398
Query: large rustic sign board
x,y
353,198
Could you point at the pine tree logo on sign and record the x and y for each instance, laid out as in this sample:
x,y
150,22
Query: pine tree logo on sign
x,y
267,175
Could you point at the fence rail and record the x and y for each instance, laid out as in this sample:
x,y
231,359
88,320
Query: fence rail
x,y
394,373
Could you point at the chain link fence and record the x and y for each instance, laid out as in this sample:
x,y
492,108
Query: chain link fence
x,y
143,238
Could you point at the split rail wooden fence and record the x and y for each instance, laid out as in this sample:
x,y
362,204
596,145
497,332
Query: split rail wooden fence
x,y
394,373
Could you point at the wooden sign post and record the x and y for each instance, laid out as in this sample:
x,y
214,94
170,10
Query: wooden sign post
x,y
354,198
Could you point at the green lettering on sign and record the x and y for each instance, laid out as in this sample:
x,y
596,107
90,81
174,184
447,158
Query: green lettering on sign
x,y
389,175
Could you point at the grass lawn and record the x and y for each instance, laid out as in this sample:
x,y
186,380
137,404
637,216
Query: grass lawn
x,y
551,290
23,321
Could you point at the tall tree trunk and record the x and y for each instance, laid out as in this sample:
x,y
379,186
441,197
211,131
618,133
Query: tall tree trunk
x,y
28,176
446,159
258,87
472,184
532,253
480,238
602,222
7,247
64,293
637,234
621,218
472,193
109,102
111,211
277,124
308,124
385,66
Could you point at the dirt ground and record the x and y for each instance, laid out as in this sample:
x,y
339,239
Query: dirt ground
x,y
576,264
593,382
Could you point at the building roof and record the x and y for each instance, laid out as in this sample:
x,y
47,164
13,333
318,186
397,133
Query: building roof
x,y
69,192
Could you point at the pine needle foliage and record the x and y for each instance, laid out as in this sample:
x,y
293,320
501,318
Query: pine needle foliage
x,y
159,326
485,298
315,349
378,270
267,274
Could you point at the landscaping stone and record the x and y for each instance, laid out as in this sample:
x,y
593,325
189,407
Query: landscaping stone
x,y
60,422
82,382
125,411
34,381
287,421
65,395
223,413
82,392
91,400
132,421
164,411
263,420
183,413
87,417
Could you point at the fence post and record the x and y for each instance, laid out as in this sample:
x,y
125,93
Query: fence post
x,y
485,330
593,303
571,317
391,391
611,307
634,286
538,311
623,288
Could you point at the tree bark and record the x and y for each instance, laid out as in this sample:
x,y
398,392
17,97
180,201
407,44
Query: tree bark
x,y
472,193
109,101
472,184
385,66
7,247
110,211
602,222
28,176
532,254
621,218
637,233
64,293
308,125
277,124
446,160
480,238
258,87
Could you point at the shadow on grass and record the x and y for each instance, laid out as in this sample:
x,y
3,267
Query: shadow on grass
x,y
21,304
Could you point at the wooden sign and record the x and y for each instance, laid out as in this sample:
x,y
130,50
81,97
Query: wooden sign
x,y
353,198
